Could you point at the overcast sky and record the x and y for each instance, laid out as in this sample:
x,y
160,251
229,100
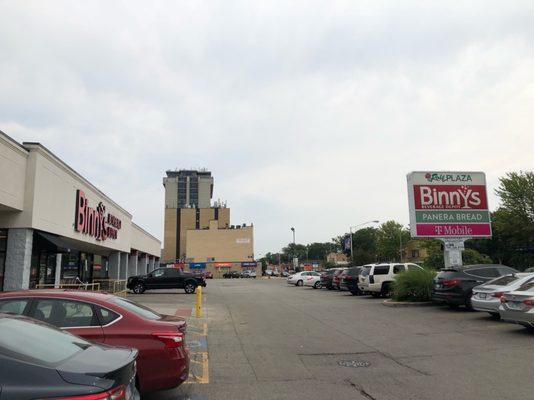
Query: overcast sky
x,y
309,114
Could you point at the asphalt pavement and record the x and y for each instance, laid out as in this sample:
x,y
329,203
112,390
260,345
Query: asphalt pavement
x,y
263,339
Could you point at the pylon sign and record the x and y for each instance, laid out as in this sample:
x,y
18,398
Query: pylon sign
x,y
447,204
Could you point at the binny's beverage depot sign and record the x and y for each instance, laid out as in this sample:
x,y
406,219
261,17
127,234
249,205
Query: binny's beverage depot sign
x,y
95,222
448,205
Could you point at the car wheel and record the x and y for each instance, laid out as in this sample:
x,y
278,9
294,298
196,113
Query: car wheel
x,y
299,282
139,288
190,288
354,292
386,290
495,315
316,285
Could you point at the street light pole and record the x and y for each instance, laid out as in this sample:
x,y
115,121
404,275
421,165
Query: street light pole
x,y
350,230
294,249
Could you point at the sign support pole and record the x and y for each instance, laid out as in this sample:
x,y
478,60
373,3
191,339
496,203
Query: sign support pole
x,y
453,248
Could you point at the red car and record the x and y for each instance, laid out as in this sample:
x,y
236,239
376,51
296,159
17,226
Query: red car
x,y
163,361
336,280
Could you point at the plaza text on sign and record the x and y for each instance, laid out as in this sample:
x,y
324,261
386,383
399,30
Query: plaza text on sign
x,y
448,204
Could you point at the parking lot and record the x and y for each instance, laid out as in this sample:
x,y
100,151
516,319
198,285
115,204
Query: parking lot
x,y
269,340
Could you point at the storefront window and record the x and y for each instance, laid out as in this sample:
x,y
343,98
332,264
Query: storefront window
x,y
70,266
100,267
3,248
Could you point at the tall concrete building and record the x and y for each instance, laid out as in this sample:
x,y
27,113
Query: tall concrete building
x,y
188,189
198,232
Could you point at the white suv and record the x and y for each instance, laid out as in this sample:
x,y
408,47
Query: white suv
x,y
378,281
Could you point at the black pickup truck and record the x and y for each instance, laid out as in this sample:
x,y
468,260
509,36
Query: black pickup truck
x,y
166,278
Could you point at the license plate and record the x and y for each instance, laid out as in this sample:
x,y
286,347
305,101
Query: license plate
x,y
482,295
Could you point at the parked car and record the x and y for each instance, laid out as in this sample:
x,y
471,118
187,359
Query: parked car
x,y
166,278
487,297
297,279
336,278
379,280
327,277
518,306
208,275
163,361
349,280
39,361
232,275
248,274
454,286
363,278
313,281
379,277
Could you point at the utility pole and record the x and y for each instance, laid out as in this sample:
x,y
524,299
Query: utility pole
x,y
294,250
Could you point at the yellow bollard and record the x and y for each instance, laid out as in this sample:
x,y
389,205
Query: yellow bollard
x,y
198,305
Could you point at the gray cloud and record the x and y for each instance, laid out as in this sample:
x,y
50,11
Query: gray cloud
x,y
309,113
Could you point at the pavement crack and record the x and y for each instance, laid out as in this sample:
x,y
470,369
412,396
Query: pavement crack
x,y
390,357
360,389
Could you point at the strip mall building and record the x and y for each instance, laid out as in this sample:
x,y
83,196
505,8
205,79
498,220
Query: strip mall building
x,y
55,225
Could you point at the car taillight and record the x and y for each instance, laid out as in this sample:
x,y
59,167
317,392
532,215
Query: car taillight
x,y
348,278
119,393
497,294
528,302
171,339
451,282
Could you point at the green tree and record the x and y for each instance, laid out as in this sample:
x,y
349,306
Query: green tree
x,y
516,191
512,243
391,236
319,251
364,244
294,250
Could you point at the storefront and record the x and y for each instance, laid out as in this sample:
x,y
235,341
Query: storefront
x,y
55,226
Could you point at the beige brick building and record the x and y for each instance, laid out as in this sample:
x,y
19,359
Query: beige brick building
x,y
180,220
220,244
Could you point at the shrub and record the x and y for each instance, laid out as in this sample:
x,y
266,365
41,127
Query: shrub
x,y
414,285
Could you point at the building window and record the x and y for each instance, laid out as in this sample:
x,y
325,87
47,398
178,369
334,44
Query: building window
x,y
3,248
415,253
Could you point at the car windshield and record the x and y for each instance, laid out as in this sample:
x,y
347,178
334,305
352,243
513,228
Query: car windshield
x,y
135,308
37,343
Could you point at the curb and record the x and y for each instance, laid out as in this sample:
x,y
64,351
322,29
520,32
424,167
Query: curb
x,y
391,303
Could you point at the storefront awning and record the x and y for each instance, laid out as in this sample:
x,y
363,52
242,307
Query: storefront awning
x,y
61,245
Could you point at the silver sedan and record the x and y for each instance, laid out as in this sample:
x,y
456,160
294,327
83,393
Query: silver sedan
x,y
518,306
487,297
